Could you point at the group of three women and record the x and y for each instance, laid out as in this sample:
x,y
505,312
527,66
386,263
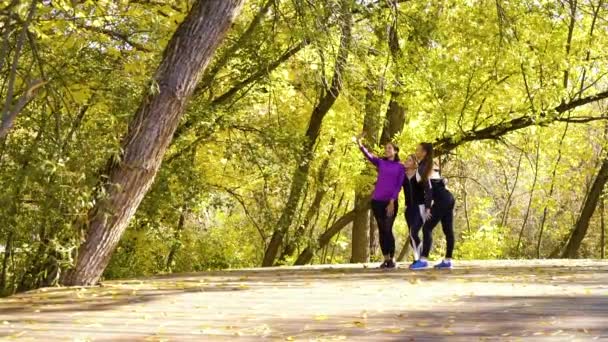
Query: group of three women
x,y
427,200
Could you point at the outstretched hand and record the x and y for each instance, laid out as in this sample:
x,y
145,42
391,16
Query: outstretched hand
x,y
358,139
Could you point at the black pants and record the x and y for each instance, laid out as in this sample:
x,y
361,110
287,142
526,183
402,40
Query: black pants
x,y
414,223
385,226
444,214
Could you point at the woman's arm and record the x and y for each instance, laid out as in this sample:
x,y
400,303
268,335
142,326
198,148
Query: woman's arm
x,y
368,155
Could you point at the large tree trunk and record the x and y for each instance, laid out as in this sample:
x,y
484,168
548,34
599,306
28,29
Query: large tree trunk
x,y
307,254
361,232
582,224
185,57
603,229
328,98
313,211
395,120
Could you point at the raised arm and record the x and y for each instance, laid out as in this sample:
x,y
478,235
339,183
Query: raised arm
x,y
368,155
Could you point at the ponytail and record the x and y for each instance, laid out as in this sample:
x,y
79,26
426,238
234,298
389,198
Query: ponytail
x,y
427,162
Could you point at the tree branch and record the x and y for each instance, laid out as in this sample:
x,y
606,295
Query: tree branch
x,y
116,35
495,131
8,118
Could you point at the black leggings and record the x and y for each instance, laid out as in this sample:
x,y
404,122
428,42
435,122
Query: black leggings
x,y
445,215
385,226
414,223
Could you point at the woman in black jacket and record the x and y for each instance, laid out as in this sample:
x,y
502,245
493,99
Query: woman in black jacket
x,y
438,207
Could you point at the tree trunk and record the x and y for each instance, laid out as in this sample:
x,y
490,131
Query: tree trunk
x,y
603,228
150,132
374,238
395,120
307,254
362,231
505,215
8,251
582,224
10,110
328,98
177,239
404,250
527,215
313,210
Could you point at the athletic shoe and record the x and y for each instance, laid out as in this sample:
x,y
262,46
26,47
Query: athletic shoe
x,y
419,265
384,264
391,264
443,265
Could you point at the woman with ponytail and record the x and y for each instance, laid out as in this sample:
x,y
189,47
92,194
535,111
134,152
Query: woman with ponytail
x,y
438,207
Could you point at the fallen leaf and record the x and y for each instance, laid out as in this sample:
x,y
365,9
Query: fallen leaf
x,y
321,317
359,324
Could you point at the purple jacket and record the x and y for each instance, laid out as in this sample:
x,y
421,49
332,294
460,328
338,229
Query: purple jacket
x,y
390,177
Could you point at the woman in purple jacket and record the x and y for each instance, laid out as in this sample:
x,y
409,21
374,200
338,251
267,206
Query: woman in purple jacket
x,y
391,174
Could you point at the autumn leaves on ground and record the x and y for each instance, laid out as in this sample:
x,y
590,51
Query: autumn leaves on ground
x,y
508,301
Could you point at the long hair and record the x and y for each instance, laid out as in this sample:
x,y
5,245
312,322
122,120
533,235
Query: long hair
x,y
396,148
427,162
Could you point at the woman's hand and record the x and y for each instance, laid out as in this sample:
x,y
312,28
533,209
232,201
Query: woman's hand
x,y
390,208
427,214
358,138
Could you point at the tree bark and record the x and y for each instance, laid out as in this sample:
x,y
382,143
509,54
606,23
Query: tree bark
x,y
150,132
406,247
582,224
395,120
527,215
313,210
177,236
307,254
603,228
10,111
505,214
362,231
328,98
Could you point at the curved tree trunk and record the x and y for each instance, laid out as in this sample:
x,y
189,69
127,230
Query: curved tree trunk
x,y
327,100
582,224
307,254
150,132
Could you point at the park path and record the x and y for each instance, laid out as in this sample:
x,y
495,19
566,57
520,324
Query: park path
x,y
555,300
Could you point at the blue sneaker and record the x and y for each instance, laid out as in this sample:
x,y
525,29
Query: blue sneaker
x,y
444,265
419,265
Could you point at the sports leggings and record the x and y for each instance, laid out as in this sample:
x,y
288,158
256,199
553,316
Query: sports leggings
x,y
445,215
385,226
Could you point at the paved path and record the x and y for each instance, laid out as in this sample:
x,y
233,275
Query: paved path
x,y
502,301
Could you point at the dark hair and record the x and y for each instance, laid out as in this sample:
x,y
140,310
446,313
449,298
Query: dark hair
x,y
427,162
396,148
